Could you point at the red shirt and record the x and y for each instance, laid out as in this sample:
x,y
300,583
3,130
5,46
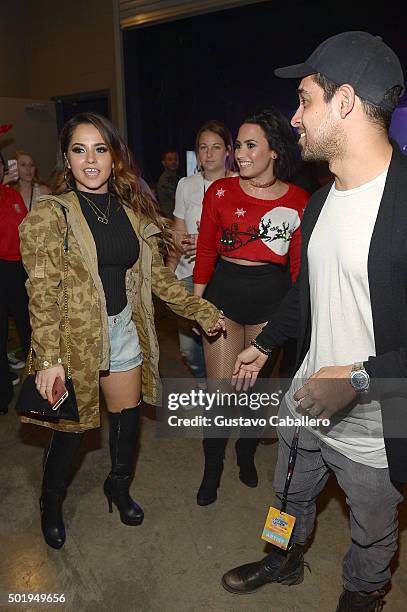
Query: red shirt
x,y
238,225
12,212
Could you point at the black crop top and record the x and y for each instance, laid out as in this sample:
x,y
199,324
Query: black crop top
x,y
117,246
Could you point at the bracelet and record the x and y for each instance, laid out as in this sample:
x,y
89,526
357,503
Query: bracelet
x,y
261,348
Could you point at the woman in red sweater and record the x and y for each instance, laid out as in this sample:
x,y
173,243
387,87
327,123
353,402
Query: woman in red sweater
x,y
249,233
13,296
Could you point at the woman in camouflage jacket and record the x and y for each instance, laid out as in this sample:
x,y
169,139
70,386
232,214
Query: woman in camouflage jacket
x,y
96,160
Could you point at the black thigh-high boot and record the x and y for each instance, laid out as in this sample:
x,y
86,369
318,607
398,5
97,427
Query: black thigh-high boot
x,y
58,459
214,451
124,428
245,451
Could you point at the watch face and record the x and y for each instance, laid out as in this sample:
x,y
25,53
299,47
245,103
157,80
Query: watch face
x,y
360,380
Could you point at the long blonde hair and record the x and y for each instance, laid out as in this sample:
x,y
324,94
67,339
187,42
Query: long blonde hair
x,y
124,182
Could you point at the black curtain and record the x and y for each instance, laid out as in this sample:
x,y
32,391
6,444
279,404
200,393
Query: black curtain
x,y
220,65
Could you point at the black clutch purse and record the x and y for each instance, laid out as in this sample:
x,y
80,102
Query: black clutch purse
x,y
29,402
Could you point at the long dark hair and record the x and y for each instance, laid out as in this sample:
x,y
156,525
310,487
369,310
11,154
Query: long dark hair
x,y
124,183
280,138
219,128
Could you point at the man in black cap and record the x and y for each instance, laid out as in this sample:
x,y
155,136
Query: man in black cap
x,y
348,310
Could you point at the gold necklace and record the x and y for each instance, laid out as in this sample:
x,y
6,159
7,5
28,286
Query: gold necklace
x,y
253,183
100,215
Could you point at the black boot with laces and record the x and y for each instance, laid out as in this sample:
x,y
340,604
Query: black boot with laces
x,y
355,601
280,566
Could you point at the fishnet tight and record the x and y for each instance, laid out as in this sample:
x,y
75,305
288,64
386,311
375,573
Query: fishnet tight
x,y
221,352
220,357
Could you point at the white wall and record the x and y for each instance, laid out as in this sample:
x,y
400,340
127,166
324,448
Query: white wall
x,y
34,130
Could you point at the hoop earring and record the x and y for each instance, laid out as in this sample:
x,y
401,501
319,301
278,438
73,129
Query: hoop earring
x,y
67,183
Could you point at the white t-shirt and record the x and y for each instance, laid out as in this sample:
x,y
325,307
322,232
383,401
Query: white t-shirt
x,y
188,206
341,315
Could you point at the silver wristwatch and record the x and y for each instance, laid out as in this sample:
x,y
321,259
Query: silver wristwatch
x,y
359,378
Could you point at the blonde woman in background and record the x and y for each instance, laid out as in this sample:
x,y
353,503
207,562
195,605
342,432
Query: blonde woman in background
x,y
28,183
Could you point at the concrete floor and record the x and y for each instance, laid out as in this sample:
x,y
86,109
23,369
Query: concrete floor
x,y
174,561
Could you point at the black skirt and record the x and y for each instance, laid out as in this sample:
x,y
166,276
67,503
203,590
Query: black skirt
x,y
247,294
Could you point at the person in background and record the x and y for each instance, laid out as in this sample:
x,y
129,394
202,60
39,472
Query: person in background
x,y
114,266
214,152
28,183
249,231
167,183
10,176
348,311
13,295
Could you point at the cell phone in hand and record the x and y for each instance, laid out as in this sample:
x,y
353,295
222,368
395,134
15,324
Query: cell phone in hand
x,y
11,165
59,393
12,169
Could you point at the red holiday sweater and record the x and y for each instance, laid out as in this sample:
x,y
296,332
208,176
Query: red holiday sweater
x,y
12,212
240,226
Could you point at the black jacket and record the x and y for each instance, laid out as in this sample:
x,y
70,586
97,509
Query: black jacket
x,y
387,273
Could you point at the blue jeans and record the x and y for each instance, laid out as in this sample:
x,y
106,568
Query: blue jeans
x,y
125,350
190,344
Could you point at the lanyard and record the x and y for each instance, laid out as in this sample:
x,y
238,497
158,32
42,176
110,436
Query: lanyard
x,y
291,464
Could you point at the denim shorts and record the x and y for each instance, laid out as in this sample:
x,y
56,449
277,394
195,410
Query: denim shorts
x,y
125,350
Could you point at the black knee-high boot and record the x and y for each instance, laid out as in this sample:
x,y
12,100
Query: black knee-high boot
x,y
58,459
245,451
214,451
124,428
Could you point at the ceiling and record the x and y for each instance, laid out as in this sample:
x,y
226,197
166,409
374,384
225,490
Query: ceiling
x,y
138,13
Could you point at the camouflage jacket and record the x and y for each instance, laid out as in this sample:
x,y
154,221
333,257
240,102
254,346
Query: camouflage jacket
x,y
42,235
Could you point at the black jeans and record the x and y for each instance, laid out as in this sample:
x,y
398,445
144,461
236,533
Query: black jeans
x,y
13,302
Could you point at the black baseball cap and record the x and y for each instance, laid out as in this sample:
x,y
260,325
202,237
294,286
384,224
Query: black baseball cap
x,y
358,58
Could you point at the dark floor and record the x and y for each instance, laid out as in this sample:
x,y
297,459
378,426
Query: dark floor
x,y
174,561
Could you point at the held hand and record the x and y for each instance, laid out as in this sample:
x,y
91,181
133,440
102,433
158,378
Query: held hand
x,y
189,245
247,367
44,380
220,326
178,237
326,392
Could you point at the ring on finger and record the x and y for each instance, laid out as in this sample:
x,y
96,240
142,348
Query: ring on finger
x,y
306,408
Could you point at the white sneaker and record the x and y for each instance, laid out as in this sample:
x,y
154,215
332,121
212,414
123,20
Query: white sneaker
x,y
14,363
